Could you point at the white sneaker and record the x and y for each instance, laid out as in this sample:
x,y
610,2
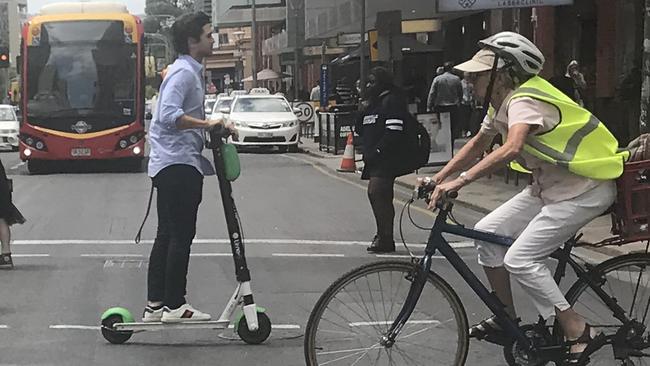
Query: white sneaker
x,y
152,316
186,313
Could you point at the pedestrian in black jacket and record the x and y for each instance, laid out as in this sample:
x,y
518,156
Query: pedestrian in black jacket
x,y
383,128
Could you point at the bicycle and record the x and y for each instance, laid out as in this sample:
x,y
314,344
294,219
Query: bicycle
x,y
366,318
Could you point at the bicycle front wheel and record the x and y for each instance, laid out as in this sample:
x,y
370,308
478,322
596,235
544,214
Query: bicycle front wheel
x,y
626,279
352,315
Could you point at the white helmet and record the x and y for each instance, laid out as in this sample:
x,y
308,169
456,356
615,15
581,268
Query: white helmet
x,y
527,59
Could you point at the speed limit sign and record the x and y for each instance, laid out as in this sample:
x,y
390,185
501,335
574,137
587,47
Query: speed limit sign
x,y
304,112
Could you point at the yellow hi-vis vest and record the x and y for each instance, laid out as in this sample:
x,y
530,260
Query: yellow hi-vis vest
x,y
579,142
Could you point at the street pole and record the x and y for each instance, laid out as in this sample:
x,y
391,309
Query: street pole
x,y
254,41
296,53
362,55
645,88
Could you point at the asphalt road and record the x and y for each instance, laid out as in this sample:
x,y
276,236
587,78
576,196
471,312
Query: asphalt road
x,y
75,258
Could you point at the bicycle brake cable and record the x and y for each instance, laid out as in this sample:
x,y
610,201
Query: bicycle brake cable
x,y
401,231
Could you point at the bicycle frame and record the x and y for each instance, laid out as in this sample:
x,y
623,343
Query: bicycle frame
x,y
437,242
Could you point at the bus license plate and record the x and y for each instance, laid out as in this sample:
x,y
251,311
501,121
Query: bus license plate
x,y
265,134
80,151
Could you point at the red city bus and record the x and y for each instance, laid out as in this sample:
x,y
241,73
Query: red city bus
x,y
82,85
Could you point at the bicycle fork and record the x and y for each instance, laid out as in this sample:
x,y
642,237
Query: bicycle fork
x,y
417,285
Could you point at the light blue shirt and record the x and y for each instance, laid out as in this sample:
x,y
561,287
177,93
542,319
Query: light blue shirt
x,y
181,93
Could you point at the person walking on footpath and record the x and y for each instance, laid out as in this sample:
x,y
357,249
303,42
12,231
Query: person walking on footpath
x,y
176,166
382,128
445,96
9,215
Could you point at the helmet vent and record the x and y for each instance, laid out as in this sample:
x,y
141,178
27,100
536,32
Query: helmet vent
x,y
532,55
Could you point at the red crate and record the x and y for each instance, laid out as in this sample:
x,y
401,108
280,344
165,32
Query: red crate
x,y
631,214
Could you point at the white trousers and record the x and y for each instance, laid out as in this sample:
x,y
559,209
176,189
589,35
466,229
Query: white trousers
x,y
539,229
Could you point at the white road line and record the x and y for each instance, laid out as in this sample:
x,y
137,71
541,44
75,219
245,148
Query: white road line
x,y
17,165
456,245
76,327
398,256
2,326
97,327
211,255
307,255
111,255
389,322
29,255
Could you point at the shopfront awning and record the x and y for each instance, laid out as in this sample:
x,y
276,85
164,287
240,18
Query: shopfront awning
x,y
267,74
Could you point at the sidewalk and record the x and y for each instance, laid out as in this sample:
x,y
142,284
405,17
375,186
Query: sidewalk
x,y
484,196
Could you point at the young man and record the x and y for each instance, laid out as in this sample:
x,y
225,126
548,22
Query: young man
x,y
573,159
177,167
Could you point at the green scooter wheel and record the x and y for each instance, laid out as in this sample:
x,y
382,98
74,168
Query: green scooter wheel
x,y
112,317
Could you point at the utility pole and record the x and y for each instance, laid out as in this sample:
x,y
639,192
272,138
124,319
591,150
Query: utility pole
x,y
295,7
254,41
645,88
362,55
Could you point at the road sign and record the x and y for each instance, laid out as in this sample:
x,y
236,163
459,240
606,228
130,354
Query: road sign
x,y
306,111
324,84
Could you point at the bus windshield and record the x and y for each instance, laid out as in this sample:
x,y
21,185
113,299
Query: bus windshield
x,y
82,68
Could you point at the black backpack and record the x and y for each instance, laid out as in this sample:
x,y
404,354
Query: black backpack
x,y
419,141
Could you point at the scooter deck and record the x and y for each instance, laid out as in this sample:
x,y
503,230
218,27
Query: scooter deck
x,y
140,327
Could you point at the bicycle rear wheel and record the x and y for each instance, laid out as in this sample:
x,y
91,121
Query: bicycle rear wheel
x,y
352,315
627,279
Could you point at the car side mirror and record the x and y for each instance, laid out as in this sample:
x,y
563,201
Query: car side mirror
x,y
224,110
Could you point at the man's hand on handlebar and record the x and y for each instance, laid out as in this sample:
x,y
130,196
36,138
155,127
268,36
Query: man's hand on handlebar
x,y
214,123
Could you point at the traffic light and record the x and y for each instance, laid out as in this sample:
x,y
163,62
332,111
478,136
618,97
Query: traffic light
x,y
4,57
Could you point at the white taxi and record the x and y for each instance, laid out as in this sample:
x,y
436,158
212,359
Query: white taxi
x,y
9,127
264,120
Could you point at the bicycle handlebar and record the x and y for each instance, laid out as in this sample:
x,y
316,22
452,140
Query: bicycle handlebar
x,y
424,192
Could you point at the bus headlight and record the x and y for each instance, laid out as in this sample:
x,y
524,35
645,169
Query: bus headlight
x,y
133,139
29,141
40,145
123,144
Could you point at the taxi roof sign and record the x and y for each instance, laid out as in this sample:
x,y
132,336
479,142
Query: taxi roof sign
x,y
260,91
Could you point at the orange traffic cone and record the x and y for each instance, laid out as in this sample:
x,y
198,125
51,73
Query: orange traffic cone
x,y
348,164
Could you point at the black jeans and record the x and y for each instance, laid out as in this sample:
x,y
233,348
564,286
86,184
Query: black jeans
x,y
180,189
380,194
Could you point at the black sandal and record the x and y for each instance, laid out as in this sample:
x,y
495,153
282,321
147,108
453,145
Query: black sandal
x,y
485,327
6,262
593,344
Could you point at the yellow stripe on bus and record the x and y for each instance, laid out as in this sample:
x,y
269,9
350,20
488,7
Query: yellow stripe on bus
x,y
77,136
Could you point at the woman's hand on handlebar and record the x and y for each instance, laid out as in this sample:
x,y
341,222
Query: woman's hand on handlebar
x,y
444,190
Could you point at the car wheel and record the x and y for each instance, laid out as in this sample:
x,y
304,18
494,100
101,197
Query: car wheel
x,y
283,149
293,148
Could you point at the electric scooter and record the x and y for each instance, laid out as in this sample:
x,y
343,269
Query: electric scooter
x,y
251,324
